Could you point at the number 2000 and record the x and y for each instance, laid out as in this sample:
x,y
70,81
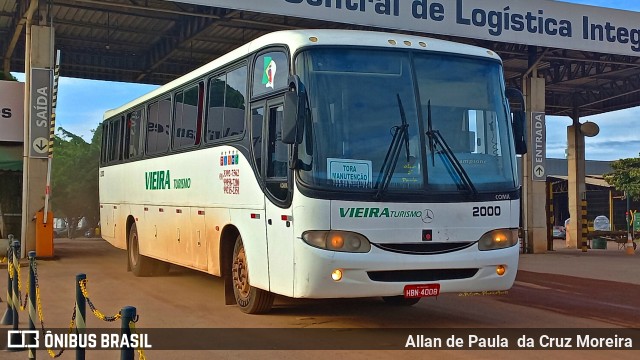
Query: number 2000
x,y
486,211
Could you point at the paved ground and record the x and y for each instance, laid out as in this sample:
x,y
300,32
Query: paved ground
x,y
612,264
561,289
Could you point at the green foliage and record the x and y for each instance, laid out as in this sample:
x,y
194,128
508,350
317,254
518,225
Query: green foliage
x,y
74,178
7,77
626,176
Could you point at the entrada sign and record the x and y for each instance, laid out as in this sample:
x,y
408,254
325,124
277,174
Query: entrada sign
x,y
539,151
542,22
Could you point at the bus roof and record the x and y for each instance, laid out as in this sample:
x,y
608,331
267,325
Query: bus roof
x,y
296,39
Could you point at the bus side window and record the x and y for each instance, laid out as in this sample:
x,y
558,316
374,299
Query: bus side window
x,y
227,102
278,155
271,73
215,113
152,121
164,125
158,123
105,137
257,118
187,111
235,100
115,134
132,134
278,151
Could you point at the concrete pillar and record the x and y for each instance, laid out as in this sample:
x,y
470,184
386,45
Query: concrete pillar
x,y
534,192
38,54
577,188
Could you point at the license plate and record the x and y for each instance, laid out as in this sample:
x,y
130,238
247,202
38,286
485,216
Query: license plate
x,y
418,291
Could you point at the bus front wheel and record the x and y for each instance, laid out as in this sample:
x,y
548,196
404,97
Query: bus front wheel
x,y
251,300
140,265
400,300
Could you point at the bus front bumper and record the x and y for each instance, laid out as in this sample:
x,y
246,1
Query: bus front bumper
x,y
383,273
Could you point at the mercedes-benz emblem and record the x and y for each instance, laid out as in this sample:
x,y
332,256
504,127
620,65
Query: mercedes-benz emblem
x,y
427,216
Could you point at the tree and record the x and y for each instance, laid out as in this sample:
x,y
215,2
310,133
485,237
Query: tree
x,y
74,179
7,77
626,176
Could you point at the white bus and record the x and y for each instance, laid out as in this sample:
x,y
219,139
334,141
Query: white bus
x,y
322,164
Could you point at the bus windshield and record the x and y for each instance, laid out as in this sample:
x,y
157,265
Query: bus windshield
x,y
360,98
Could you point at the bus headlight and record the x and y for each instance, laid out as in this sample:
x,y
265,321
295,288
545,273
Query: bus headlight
x,y
345,241
498,239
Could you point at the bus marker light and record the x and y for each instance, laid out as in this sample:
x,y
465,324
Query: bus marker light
x,y
178,211
407,42
313,39
161,210
286,218
146,209
337,242
336,275
500,270
200,212
255,216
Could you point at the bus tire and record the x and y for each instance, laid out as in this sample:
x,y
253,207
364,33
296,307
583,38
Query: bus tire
x,y
140,265
251,300
400,300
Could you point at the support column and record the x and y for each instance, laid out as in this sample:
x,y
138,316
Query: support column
x,y
577,188
534,192
38,54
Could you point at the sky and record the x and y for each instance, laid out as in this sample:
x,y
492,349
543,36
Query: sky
x,y
82,103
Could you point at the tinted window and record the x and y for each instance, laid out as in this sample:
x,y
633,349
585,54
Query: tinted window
x,y
257,117
133,134
215,114
104,147
158,126
278,156
271,72
227,101
186,117
235,101
115,131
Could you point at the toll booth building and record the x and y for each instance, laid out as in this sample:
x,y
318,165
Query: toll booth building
x,y
10,189
602,198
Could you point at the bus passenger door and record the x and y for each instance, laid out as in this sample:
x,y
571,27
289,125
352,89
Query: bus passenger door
x,y
277,196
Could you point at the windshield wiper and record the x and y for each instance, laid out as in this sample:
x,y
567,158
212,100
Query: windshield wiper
x,y
436,139
400,136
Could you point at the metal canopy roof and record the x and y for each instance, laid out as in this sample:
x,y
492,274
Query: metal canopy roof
x,y
155,41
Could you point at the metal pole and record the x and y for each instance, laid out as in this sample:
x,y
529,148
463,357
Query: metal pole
x,y
81,311
7,318
629,246
32,301
128,315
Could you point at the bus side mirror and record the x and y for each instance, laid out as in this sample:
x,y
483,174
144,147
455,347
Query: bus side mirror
x,y
294,112
519,132
518,121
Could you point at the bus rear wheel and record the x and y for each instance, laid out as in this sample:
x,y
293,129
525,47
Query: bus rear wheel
x,y
400,300
140,265
251,300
